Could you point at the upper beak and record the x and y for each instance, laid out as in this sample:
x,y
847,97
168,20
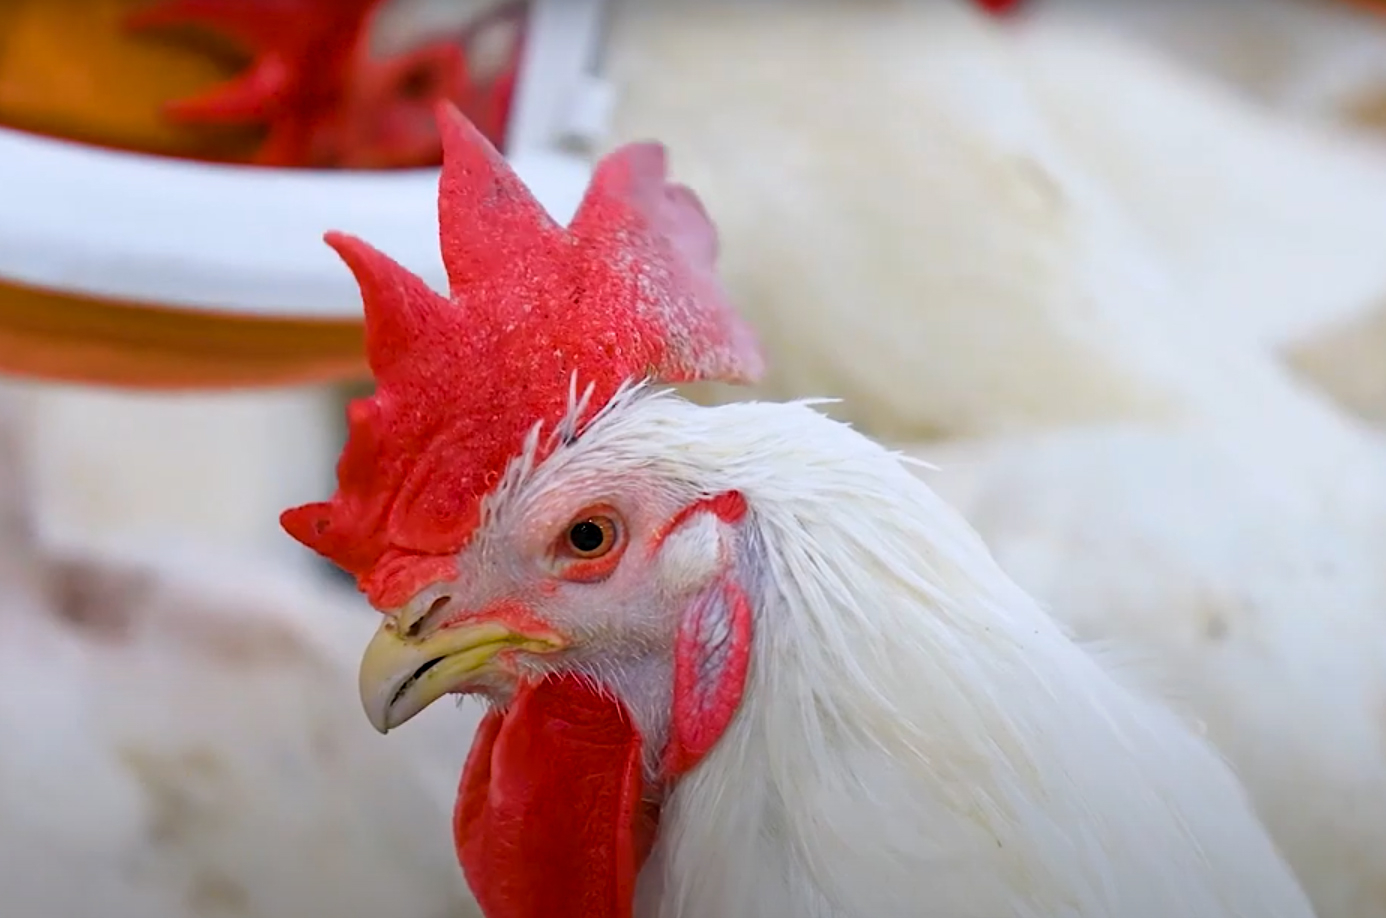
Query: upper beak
x,y
400,676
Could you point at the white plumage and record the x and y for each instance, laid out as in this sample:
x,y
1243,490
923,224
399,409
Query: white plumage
x,y
917,736
869,168
1243,585
181,739
1285,245
1320,60
953,223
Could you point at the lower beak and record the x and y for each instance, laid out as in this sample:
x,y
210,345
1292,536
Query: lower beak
x,y
401,676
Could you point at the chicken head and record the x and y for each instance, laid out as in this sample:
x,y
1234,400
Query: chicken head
x,y
585,589
595,608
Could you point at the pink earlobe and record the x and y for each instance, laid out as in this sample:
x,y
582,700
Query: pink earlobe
x,y
711,658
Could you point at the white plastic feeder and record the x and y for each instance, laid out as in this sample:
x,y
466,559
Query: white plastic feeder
x,y
129,227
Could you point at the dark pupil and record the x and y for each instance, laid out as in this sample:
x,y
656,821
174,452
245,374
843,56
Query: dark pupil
x,y
586,536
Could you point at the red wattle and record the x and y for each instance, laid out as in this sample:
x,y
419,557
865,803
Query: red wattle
x,y
549,820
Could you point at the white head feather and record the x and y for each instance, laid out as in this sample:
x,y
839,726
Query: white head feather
x,y
917,735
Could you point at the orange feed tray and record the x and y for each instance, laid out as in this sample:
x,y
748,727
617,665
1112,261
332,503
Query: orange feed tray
x,y
47,335
69,68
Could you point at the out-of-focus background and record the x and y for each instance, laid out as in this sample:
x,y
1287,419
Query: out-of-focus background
x,y
1117,269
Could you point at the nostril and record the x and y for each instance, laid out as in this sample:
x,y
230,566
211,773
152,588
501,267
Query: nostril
x,y
426,621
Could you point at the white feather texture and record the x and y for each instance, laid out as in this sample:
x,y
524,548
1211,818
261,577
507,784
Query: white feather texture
x,y
917,736
1261,178
186,749
180,737
1248,590
1317,59
964,227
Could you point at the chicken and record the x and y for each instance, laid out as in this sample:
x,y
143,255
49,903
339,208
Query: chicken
x,y
332,87
934,166
1318,59
111,468
68,69
866,249
740,660
180,740
1316,300
1251,596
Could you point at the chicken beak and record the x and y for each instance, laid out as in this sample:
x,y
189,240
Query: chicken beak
x,y
400,676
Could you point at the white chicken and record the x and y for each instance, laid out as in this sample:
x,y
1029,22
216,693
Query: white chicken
x,y
910,150
179,742
113,467
1287,244
795,681
903,159
1322,60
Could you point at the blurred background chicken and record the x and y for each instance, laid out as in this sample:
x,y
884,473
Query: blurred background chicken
x,y
1065,149
182,737
1118,269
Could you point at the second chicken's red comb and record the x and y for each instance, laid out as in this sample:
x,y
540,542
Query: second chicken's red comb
x,y
324,98
998,7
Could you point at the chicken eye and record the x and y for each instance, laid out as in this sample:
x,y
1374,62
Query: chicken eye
x,y
592,537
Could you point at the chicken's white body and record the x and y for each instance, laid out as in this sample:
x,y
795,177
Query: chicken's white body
x,y
1261,607
1253,270
869,167
917,737
180,738
962,226
179,747
1322,60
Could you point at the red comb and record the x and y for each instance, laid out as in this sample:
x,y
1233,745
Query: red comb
x,y
323,98
998,7
628,291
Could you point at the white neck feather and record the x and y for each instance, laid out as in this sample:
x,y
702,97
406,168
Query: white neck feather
x,y
917,736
